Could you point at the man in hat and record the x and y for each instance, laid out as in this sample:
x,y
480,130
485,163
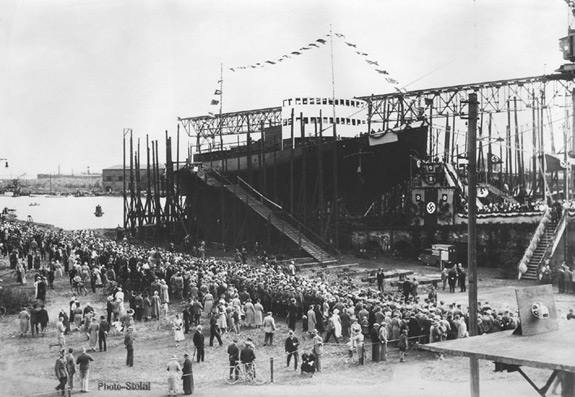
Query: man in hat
x,y
187,375
214,329
198,340
71,367
375,343
269,326
233,356
317,349
248,356
83,360
61,372
291,349
173,369
129,344
93,332
402,345
103,333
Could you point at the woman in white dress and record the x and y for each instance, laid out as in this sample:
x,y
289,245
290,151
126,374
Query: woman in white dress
x,y
259,309
173,374
178,326
222,321
250,313
336,321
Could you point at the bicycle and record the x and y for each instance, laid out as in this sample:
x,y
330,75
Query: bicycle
x,y
245,373
78,287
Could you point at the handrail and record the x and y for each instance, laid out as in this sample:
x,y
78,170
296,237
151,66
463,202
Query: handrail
x,y
276,210
319,239
558,233
529,251
258,194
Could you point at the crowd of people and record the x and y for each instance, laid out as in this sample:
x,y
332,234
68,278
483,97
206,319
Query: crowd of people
x,y
231,295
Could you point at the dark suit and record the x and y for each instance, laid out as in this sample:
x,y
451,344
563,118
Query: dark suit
x,y
129,343
291,347
198,340
187,376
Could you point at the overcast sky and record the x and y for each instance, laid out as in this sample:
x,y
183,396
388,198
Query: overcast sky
x,y
75,73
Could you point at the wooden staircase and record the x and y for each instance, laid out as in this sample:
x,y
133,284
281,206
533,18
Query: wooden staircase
x,y
285,227
542,246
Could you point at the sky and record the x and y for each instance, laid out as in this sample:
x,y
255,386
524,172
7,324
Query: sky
x,y
75,73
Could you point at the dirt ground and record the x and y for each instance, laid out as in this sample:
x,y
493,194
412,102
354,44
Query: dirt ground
x,y
26,364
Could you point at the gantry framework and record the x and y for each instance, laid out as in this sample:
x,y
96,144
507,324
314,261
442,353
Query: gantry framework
x,y
390,110
209,129
493,97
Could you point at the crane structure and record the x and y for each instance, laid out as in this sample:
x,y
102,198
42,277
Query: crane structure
x,y
518,121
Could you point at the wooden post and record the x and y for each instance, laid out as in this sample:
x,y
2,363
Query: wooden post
x,y
123,180
534,129
249,159
271,369
542,147
291,176
472,237
509,157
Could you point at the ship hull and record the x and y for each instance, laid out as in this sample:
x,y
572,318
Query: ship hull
x,y
303,178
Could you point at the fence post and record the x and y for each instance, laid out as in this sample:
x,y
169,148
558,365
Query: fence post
x,y
271,370
362,358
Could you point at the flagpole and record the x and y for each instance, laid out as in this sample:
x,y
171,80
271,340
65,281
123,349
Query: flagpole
x,y
221,103
335,166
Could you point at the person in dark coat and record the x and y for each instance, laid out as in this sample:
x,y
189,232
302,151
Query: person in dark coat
x,y
34,319
187,375
380,280
375,346
292,314
291,349
198,340
234,357
319,325
452,277
61,373
43,318
461,278
129,343
103,333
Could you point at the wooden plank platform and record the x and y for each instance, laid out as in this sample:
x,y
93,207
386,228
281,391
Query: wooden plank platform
x,y
386,275
550,350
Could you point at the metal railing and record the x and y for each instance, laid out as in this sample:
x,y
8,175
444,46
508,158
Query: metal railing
x,y
540,231
276,209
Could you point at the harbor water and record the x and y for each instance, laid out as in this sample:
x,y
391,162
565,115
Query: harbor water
x,y
67,212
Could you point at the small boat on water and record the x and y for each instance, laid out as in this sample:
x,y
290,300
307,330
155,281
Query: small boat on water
x,y
99,211
8,214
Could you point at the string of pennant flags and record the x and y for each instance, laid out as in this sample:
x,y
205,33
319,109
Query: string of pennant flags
x,y
316,44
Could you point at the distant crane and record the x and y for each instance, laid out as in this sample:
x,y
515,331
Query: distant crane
x,y
16,188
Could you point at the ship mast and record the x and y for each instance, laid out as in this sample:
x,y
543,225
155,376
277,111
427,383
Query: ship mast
x,y
335,198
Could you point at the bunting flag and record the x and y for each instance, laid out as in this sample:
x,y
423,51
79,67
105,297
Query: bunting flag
x,y
216,100
372,62
317,44
300,51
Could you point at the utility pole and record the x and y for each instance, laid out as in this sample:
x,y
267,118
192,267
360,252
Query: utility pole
x,y
472,237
